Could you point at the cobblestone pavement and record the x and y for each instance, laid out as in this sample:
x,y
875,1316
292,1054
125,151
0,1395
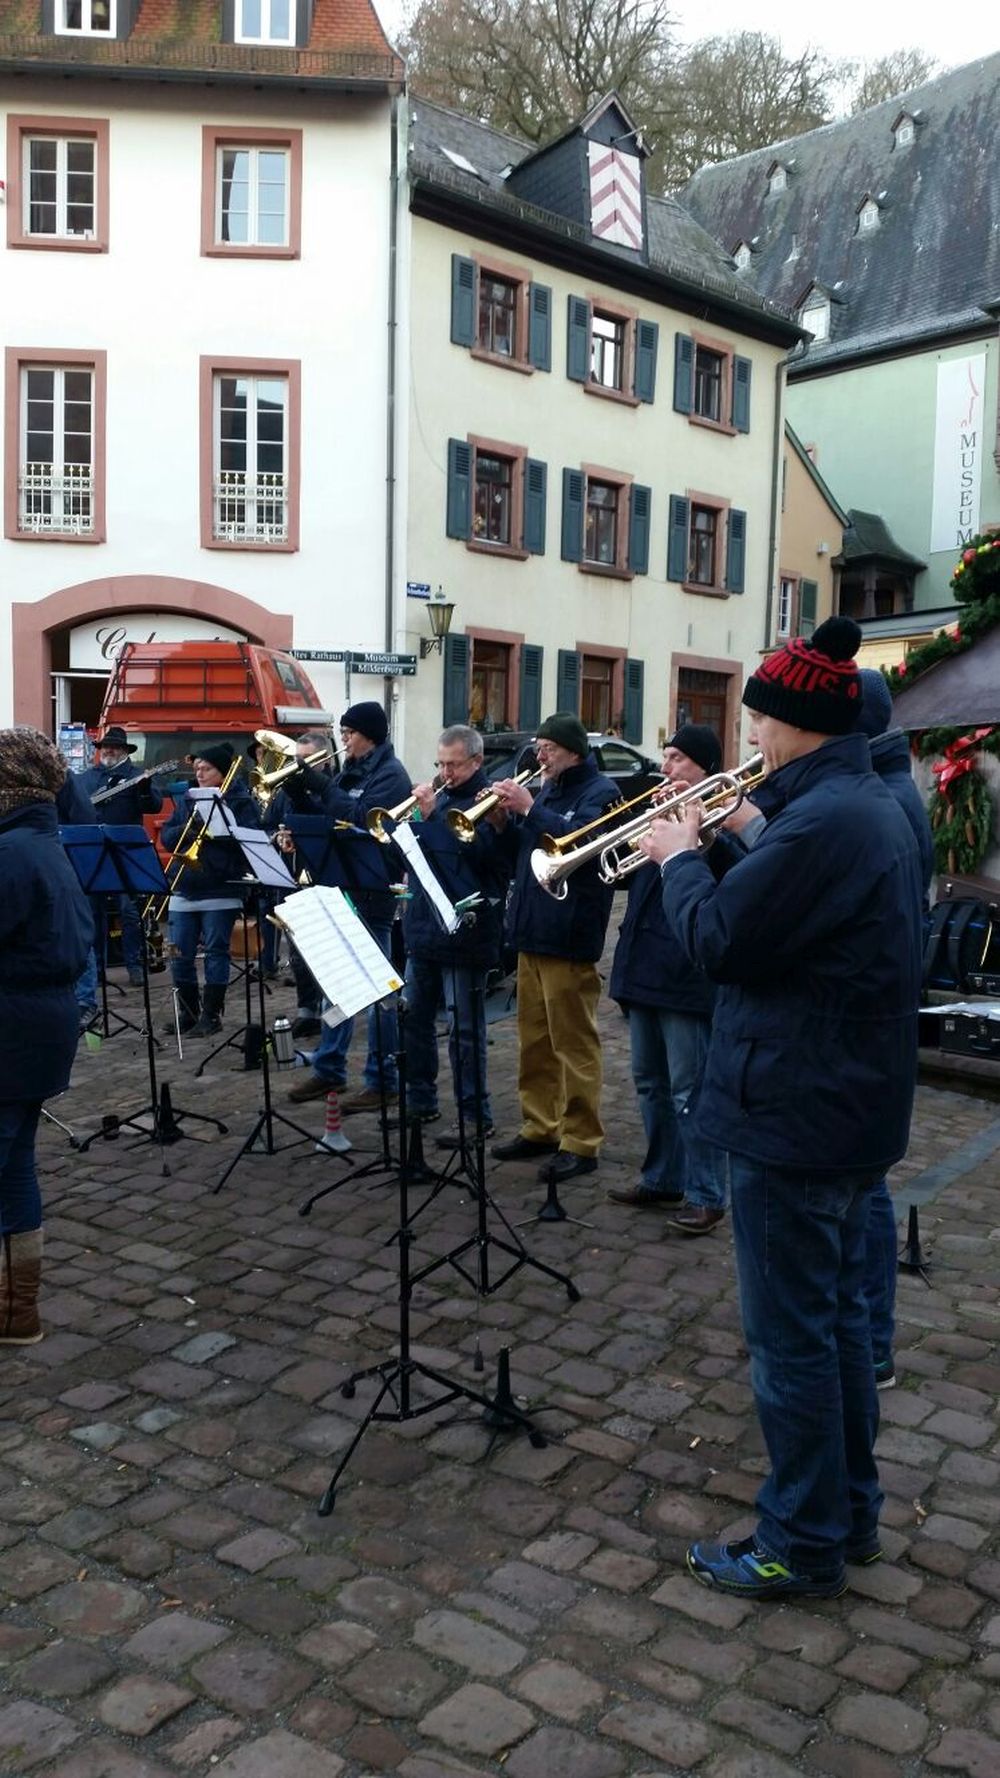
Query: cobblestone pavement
x,y
176,1605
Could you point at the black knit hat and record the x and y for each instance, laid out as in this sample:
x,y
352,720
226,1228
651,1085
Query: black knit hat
x,y
700,743
221,756
811,684
368,720
566,730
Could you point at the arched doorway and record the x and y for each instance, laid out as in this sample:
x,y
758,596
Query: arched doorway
x,y
77,623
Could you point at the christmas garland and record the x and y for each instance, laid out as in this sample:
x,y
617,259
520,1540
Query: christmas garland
x,y
961,808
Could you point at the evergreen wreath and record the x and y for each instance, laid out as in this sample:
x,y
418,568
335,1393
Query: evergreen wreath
x,y
961,808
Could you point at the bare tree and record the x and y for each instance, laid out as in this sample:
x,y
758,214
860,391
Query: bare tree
x,y
742,92
888,76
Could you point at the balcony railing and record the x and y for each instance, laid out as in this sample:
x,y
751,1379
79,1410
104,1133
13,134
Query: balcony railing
x,y
55,501
250,509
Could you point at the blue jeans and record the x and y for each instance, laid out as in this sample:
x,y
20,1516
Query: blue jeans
x,y
461,989
880,1271
85,987
20,1200
213,928
800,1257
668,1061
330,1056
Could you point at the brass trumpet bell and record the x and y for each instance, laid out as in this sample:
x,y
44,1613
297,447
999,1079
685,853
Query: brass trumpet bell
x,y
279,761
376,819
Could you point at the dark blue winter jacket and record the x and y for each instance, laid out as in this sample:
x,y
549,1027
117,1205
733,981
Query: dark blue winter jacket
x,y
309,791
73,806
378,781
650,966
891,760
575,927
128,807
462,869
220,863
46,931
816,938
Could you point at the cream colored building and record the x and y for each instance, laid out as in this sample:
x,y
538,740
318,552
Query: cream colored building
x,y
812,529
594,440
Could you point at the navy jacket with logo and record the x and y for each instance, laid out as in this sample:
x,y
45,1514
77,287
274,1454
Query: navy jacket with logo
x,y
462,870
378,781
574,928
815,938
891,760
650,966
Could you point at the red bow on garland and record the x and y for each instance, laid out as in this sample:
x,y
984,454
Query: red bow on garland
x,y
958,758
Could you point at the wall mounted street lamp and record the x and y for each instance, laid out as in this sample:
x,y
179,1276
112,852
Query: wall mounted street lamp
x,y
439,612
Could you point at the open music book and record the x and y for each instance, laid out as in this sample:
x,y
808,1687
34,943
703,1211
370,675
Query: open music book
x,y
339,949
405,838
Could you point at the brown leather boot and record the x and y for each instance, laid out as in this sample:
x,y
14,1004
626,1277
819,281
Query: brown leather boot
x,y
20,1276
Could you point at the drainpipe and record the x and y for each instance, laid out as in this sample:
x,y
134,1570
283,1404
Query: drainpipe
x,y
776,457
390,399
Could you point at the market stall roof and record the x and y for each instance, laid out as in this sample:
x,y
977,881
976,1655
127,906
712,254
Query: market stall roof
x,y
963,689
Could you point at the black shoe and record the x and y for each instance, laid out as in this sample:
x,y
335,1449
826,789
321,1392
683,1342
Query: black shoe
x,y
310,1088
567,1166
522,1148
367,1099
310,1025
453,1139
696,1219
638,1197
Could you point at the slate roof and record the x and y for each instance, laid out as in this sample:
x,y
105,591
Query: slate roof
x,y
867,538
682,257
933,262
347,46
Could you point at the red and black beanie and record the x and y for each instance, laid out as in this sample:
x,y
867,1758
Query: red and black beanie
x,y
811,684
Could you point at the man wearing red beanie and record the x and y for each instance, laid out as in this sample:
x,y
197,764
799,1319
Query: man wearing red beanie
x,y
815,940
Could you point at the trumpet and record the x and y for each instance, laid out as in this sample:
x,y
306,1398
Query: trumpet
x,y
280,761
464,822
617,854
183,857
376,819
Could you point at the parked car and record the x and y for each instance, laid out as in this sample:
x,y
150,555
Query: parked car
x,y
631,769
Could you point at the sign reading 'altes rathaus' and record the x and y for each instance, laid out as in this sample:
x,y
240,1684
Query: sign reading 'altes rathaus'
x,y
958,452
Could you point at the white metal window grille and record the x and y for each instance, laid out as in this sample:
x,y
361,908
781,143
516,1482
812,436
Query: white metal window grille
x,y
60,174
250,492
56,464
252,191
265,21
87,18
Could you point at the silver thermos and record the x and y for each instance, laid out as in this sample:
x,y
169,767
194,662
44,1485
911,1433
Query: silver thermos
x,y
283,1043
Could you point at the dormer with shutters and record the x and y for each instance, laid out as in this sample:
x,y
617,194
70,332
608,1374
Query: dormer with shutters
x,y
593,175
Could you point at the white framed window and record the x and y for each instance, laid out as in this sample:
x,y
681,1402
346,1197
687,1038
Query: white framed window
x,y
60,187
250,471
87,18
786,604
815,317
56,457
904,132
778,180
868,216
265,21
252,188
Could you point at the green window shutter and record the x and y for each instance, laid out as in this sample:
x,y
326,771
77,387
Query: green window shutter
x,y
677,538
540,326
635,673
533,532
639,504
530,714
568,681
808,595
736,551
463,301
683,373
572,516
459,517
457,655
578,339
647,336
742,368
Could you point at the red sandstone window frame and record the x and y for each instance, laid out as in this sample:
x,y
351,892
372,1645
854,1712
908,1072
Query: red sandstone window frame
x,y
21,125
17,359
216,136
291,370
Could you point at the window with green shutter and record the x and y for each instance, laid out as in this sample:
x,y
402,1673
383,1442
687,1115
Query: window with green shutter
x,y
808,596
457,658
568,680
635,673
530,713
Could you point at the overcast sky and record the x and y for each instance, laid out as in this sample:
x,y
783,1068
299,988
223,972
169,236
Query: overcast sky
x,y
859,28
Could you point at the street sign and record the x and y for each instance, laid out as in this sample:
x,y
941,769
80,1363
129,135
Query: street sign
x,y
318,654
418,589
403,666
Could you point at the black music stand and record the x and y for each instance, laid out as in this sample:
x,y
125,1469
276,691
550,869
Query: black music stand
x,y
115,861
396,1375
248,972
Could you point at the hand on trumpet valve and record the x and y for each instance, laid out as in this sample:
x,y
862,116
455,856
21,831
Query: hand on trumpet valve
x,y
515,798
670,834
426,795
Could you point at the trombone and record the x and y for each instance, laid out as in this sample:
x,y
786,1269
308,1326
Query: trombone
x,y
617,854
280,761
376,819
464,822
191,855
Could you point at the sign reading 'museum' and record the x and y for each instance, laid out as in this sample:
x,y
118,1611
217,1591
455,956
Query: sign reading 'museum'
x,y
958,452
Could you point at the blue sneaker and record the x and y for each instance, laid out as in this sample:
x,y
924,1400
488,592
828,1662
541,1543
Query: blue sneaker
x,y
745,1569
885,1372
862,1552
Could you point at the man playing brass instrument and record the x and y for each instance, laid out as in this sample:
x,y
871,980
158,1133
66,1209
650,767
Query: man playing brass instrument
x,y
815,938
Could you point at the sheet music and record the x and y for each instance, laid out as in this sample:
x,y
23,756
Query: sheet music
x,y
347,963
409,845
268,865
219,819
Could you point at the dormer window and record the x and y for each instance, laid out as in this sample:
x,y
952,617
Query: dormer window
x,y
777,180
814,316
904,131
742,256
869,216
86,18
265,21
